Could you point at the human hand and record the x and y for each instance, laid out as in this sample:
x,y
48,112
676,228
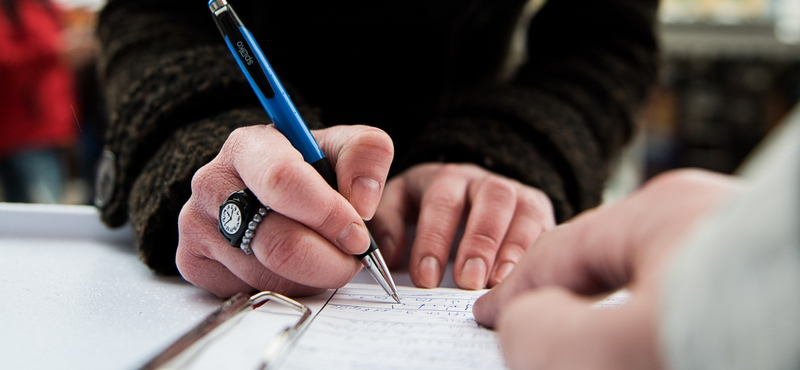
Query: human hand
x,y
541,311
306,243
502,218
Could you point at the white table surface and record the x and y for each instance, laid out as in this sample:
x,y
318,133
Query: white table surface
x,y
74,295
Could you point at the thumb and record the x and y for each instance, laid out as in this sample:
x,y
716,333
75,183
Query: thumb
x,y
581,256
552,328
361,156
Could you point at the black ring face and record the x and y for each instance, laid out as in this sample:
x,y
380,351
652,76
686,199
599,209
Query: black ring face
x,y
234,214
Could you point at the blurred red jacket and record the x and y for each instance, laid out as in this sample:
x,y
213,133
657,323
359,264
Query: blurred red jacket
x,y
37,93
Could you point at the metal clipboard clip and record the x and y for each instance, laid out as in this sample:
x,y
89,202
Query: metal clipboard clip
x,y
180,352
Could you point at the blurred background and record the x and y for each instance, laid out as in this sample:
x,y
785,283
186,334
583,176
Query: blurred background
x,y
731,71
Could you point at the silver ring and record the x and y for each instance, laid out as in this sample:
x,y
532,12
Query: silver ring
x,y
251,229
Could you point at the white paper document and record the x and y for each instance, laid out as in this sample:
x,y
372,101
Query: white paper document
x,y
360,327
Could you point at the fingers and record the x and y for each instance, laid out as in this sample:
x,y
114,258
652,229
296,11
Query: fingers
x,y
267,164
389,226
493,202
554,329
506,217
533,215
361,156
311,223
580,256
441,206
600,250
287,257
503,218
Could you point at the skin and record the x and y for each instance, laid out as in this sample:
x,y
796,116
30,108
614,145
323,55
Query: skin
x,y
503,217
306,244
541,311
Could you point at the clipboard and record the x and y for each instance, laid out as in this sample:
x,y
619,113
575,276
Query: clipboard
x,y
336,329
183,350
355,327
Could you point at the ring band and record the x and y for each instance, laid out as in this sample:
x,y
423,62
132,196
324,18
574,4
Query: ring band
x,y
239,216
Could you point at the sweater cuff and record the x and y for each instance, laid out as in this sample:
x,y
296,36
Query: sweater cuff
x,y
484,142
164,185
525,135
166,98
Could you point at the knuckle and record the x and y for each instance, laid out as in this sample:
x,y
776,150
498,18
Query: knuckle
x,y
188,261
189,219
331,217
201,179
185,218
452,169
442,202
433,239
208,181
281,249
514,250
279,177
484,241
236,138
536,204
232,145
377,140
499,188
267,280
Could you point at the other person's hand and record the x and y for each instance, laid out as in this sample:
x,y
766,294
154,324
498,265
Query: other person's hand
x,y
541,311
500,218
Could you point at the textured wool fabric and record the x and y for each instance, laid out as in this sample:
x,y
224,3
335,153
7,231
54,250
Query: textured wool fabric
x,y
429,73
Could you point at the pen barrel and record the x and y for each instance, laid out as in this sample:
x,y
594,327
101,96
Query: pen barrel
x,y
323,166
284,115
264,81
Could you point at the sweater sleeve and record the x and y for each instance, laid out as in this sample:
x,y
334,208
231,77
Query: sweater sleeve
x,y
730,299
173,99
568,110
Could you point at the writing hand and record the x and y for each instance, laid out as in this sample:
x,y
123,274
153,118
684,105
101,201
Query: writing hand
x,y
306,243
502,218
541,311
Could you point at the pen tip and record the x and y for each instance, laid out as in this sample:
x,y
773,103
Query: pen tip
x,y
396,298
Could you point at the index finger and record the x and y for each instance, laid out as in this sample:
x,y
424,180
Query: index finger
x,y
553,328
362,156
276,173
564,256
599,250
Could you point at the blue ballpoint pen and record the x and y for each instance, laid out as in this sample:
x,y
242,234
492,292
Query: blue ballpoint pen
x,y
284,115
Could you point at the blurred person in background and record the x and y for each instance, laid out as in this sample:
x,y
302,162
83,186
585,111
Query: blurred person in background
x,y
37,99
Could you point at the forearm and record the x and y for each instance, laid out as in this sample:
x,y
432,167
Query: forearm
x,y
174,95
596,61
154,71
568,110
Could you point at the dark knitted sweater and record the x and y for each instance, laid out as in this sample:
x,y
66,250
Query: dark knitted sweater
x,y
430,73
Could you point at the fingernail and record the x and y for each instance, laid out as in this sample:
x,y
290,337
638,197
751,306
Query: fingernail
x,y
429,272
364,196
354,239
474,273
503,270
